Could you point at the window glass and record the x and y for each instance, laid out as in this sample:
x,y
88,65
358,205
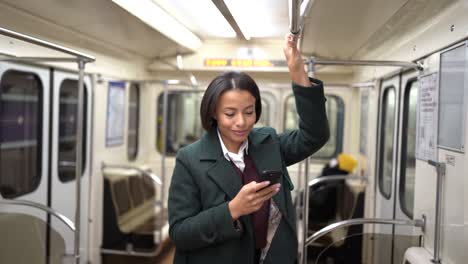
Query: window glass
x,y
335,113
364,126
183,123
265,116
386,143
133,117
453,80
20,133
68,116
408,160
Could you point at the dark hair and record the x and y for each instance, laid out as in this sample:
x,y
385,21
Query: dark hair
x,y
227,81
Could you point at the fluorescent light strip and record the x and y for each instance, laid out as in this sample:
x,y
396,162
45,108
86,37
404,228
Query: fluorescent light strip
x,y
180,64
250,21
157,18
173,81
201,16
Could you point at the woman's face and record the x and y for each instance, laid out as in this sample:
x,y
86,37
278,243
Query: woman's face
x,y
235,115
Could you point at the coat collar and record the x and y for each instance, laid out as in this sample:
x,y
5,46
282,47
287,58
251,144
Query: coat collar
x,y
212,147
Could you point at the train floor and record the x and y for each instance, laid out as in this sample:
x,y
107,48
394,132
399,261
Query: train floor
x,y
165,255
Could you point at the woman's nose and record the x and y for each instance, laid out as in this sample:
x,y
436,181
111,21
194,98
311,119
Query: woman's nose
x,y
240,121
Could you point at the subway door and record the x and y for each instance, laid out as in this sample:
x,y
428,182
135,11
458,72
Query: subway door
x,y
386,172
24,148
406,236
63,183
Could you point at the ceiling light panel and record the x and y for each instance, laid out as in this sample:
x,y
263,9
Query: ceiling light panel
x,y
200,16
154,16
260,18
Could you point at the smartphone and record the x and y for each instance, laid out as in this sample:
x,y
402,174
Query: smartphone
x,y
274,176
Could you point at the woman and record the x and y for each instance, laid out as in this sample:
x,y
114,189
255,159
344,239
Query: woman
x,y
219,211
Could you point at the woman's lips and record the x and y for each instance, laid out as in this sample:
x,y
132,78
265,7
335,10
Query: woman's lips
x,y
240,133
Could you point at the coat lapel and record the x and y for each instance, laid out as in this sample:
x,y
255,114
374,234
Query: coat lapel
x,y
221,172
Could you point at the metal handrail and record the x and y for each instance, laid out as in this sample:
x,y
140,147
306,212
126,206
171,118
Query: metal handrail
x,y
82,56
131,252
329,178
69,223
405,64
305,210
360,221
148,173
37,59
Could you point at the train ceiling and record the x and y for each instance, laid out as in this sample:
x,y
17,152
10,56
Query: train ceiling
x,y
339,29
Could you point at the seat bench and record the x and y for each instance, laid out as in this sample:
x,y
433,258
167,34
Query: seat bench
x,y
132,218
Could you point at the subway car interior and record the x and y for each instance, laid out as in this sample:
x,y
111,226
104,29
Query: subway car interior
x,y
97,97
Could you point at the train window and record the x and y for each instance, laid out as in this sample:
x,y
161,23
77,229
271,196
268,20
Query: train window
x,y
453,79
335,113
183,123
264,117
67,130
133,123
387,142
364,125
20,133
408,147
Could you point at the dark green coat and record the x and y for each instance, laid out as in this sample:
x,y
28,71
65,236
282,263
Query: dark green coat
x,y
203,182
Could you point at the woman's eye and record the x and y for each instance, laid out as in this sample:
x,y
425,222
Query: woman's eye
x,y
229,114
249,113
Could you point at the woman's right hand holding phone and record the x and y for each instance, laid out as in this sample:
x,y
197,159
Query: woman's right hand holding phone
x,y
251,197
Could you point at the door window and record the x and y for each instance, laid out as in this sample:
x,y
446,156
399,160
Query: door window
x,y
387,142
68,116
408,147
20,133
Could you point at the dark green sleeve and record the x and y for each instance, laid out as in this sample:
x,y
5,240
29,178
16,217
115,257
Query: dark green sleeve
x,y
313,131
190,227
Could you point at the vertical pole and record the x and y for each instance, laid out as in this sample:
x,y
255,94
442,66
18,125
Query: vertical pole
x,y
294,16
305,197
440,167
305,214
79,159
164,146
298,193
311,67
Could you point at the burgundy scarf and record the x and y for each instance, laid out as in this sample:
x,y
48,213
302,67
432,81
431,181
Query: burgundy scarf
x,y
260,217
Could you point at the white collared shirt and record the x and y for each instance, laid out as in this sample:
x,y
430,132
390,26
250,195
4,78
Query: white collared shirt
x,y
237,158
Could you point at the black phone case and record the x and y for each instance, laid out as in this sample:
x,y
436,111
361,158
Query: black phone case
x,y
271,175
